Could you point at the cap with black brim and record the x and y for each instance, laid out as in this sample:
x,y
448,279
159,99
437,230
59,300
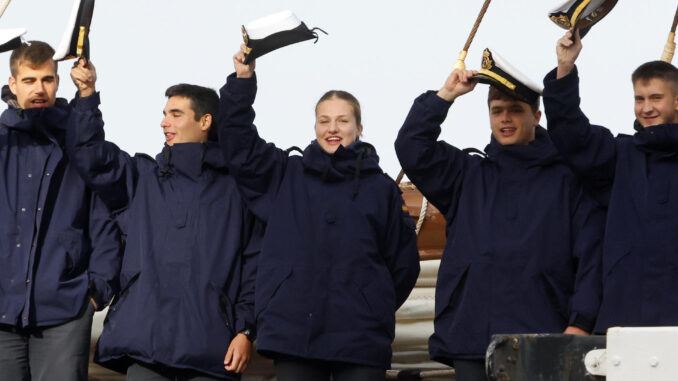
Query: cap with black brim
x,y
75,40
273,32
581,14
498,72
11,39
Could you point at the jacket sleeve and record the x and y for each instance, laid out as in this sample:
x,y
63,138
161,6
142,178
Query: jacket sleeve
x,y
588,231
589,149
106,256
244,305
401,253
257,166
435,167
105,168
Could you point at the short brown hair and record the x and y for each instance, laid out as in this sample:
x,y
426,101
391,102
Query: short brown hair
x,y
659,70
343,95
495,93
33,54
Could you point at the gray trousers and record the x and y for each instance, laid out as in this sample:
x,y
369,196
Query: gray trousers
x,y
154,372
47,353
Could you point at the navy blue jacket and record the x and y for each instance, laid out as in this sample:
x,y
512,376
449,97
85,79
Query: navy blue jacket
x,y
187,279
339,255
523,238
636,177
58,243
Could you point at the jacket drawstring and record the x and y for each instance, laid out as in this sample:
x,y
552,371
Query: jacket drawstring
x,y
356,180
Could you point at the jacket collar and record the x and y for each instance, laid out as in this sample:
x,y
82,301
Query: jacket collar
x,y
189,159
538,153
662,138
358,158
48,121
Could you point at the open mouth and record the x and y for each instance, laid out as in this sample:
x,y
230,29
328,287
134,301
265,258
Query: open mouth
x,y
333,140
169,136
507,131
38,102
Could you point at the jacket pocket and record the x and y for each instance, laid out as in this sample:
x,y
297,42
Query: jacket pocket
x,y
381,304
613,254
226,309
450,288
556,295
124,291
72,242
269,280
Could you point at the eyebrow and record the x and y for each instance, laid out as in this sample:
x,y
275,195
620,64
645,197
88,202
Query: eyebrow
x,y
172,111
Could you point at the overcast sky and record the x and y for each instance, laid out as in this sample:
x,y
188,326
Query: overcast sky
x,y
384,52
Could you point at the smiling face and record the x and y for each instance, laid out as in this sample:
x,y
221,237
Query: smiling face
x,y
655,103
179,124
35,85
513,121
335,124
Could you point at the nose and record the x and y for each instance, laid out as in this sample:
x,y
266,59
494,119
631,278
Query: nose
x,y
164,122
334,127
647,107
39,87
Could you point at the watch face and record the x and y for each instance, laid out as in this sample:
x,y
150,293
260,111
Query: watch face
x,y
248,333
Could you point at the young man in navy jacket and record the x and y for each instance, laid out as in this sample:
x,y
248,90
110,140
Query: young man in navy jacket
x,y
186,306
523,238
59,249
635,177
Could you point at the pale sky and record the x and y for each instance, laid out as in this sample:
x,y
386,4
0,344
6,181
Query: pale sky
x,y
384,52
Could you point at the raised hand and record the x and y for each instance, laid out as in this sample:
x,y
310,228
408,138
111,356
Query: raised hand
x,y
459,82
242,70
568,48
84,76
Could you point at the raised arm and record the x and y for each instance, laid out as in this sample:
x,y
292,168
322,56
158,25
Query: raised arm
x,y
590,150
106,169
435,167
257,166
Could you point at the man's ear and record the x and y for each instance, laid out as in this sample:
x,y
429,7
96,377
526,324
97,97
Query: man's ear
x,y
537,117
57,80
12,84
206,122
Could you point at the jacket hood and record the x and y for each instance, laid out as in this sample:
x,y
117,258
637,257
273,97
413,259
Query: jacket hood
x,y
190,158
539,152
359,158
662,138
49,119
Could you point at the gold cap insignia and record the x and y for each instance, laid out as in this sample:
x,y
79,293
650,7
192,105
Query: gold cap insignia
x,y
562,20
487,60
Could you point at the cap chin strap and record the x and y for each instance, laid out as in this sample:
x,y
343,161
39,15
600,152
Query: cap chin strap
x,y
498,78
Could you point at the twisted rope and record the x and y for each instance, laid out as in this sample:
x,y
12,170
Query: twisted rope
x,y
424,201
462,55
5,3
670,47
422,214
476,25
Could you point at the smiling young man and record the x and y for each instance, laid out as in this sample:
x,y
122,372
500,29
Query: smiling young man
x,y
523,238
186,306
635,177
59,248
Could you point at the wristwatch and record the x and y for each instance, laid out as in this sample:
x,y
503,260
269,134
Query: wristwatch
x,y
249,334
